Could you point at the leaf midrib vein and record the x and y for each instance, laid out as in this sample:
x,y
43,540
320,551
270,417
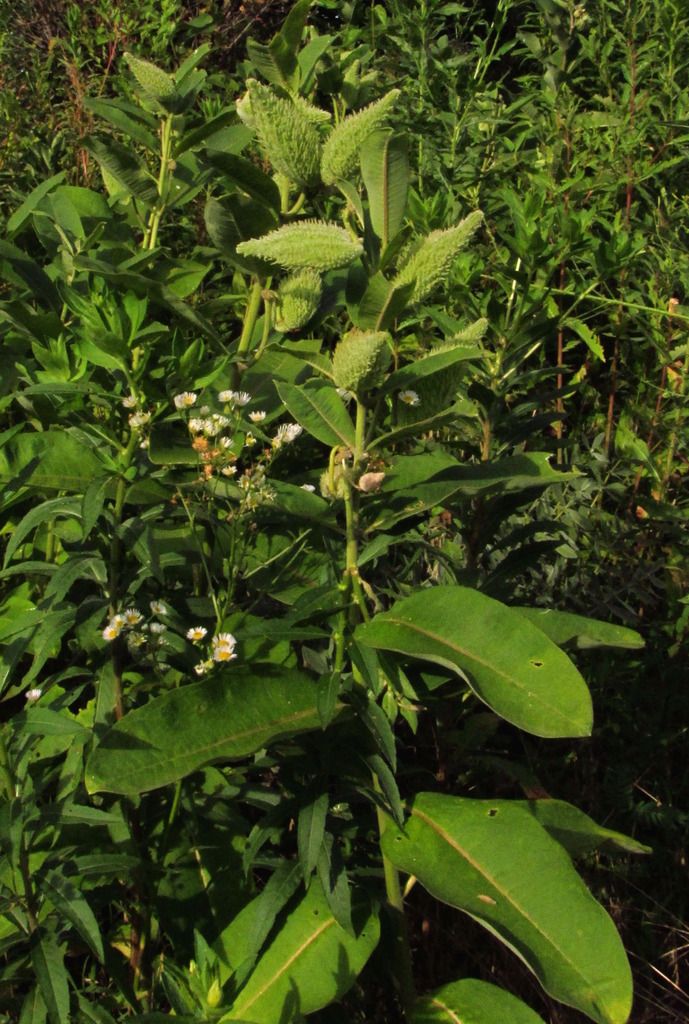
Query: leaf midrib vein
x,y
513,680
440,831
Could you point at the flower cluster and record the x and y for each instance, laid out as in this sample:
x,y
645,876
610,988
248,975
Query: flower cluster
x,y
130,623
222,648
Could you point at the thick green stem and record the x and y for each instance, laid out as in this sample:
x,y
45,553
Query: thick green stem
x,y
253,308
402,962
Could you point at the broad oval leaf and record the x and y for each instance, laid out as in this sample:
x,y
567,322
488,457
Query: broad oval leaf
x,y
509,664
311,962
496,863
470,1001
320,411
223,718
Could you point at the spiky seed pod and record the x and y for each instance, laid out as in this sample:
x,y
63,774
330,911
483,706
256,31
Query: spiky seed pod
x,y
360,360
341,150
308,243
469,335
298,298
313,114
155,82
433,260
287,136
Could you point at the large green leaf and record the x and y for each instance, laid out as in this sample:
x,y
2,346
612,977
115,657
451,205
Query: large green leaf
x,y
422,481
472,1002
320,410
247,176
496,863
226,717
69,902
311,962
50,460
124,166
385,170
566,628
509,664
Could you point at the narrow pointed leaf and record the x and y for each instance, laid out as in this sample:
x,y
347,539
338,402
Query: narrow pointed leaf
x,y
470,1001
509,664
223,718
310,831
311,962
496,863
51,975
579,834
566,628
67,899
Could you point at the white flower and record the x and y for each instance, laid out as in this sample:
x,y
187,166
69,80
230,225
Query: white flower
x,y
223,647
203,667
228,470
135,640
195,425
32,696
139,419
129,402
225,442
240,398
409,397
223,640
196,633
111,632
308,487
158,608
258,416
145,444
204,410
158,627
132,617
185,400
287,433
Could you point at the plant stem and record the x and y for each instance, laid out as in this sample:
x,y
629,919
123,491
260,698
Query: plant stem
x,y
151,237
253,307
402,966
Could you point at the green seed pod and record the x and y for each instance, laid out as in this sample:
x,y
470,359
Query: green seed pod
x,y
286,134
468,335
341,151
313,114
361,359
298,298
155,82
308,243
333,485
433,260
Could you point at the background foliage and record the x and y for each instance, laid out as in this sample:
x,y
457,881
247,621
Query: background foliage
x,y
567,125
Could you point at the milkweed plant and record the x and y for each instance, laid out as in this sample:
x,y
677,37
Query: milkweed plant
x,y
238,433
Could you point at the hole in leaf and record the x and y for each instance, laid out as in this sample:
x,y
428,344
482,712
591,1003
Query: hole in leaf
x,y
536,663
492,812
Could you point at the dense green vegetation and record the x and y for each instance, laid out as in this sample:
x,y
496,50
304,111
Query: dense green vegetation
x,y
343,436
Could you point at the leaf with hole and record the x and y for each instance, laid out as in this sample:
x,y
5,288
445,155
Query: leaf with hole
x,y
508,663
